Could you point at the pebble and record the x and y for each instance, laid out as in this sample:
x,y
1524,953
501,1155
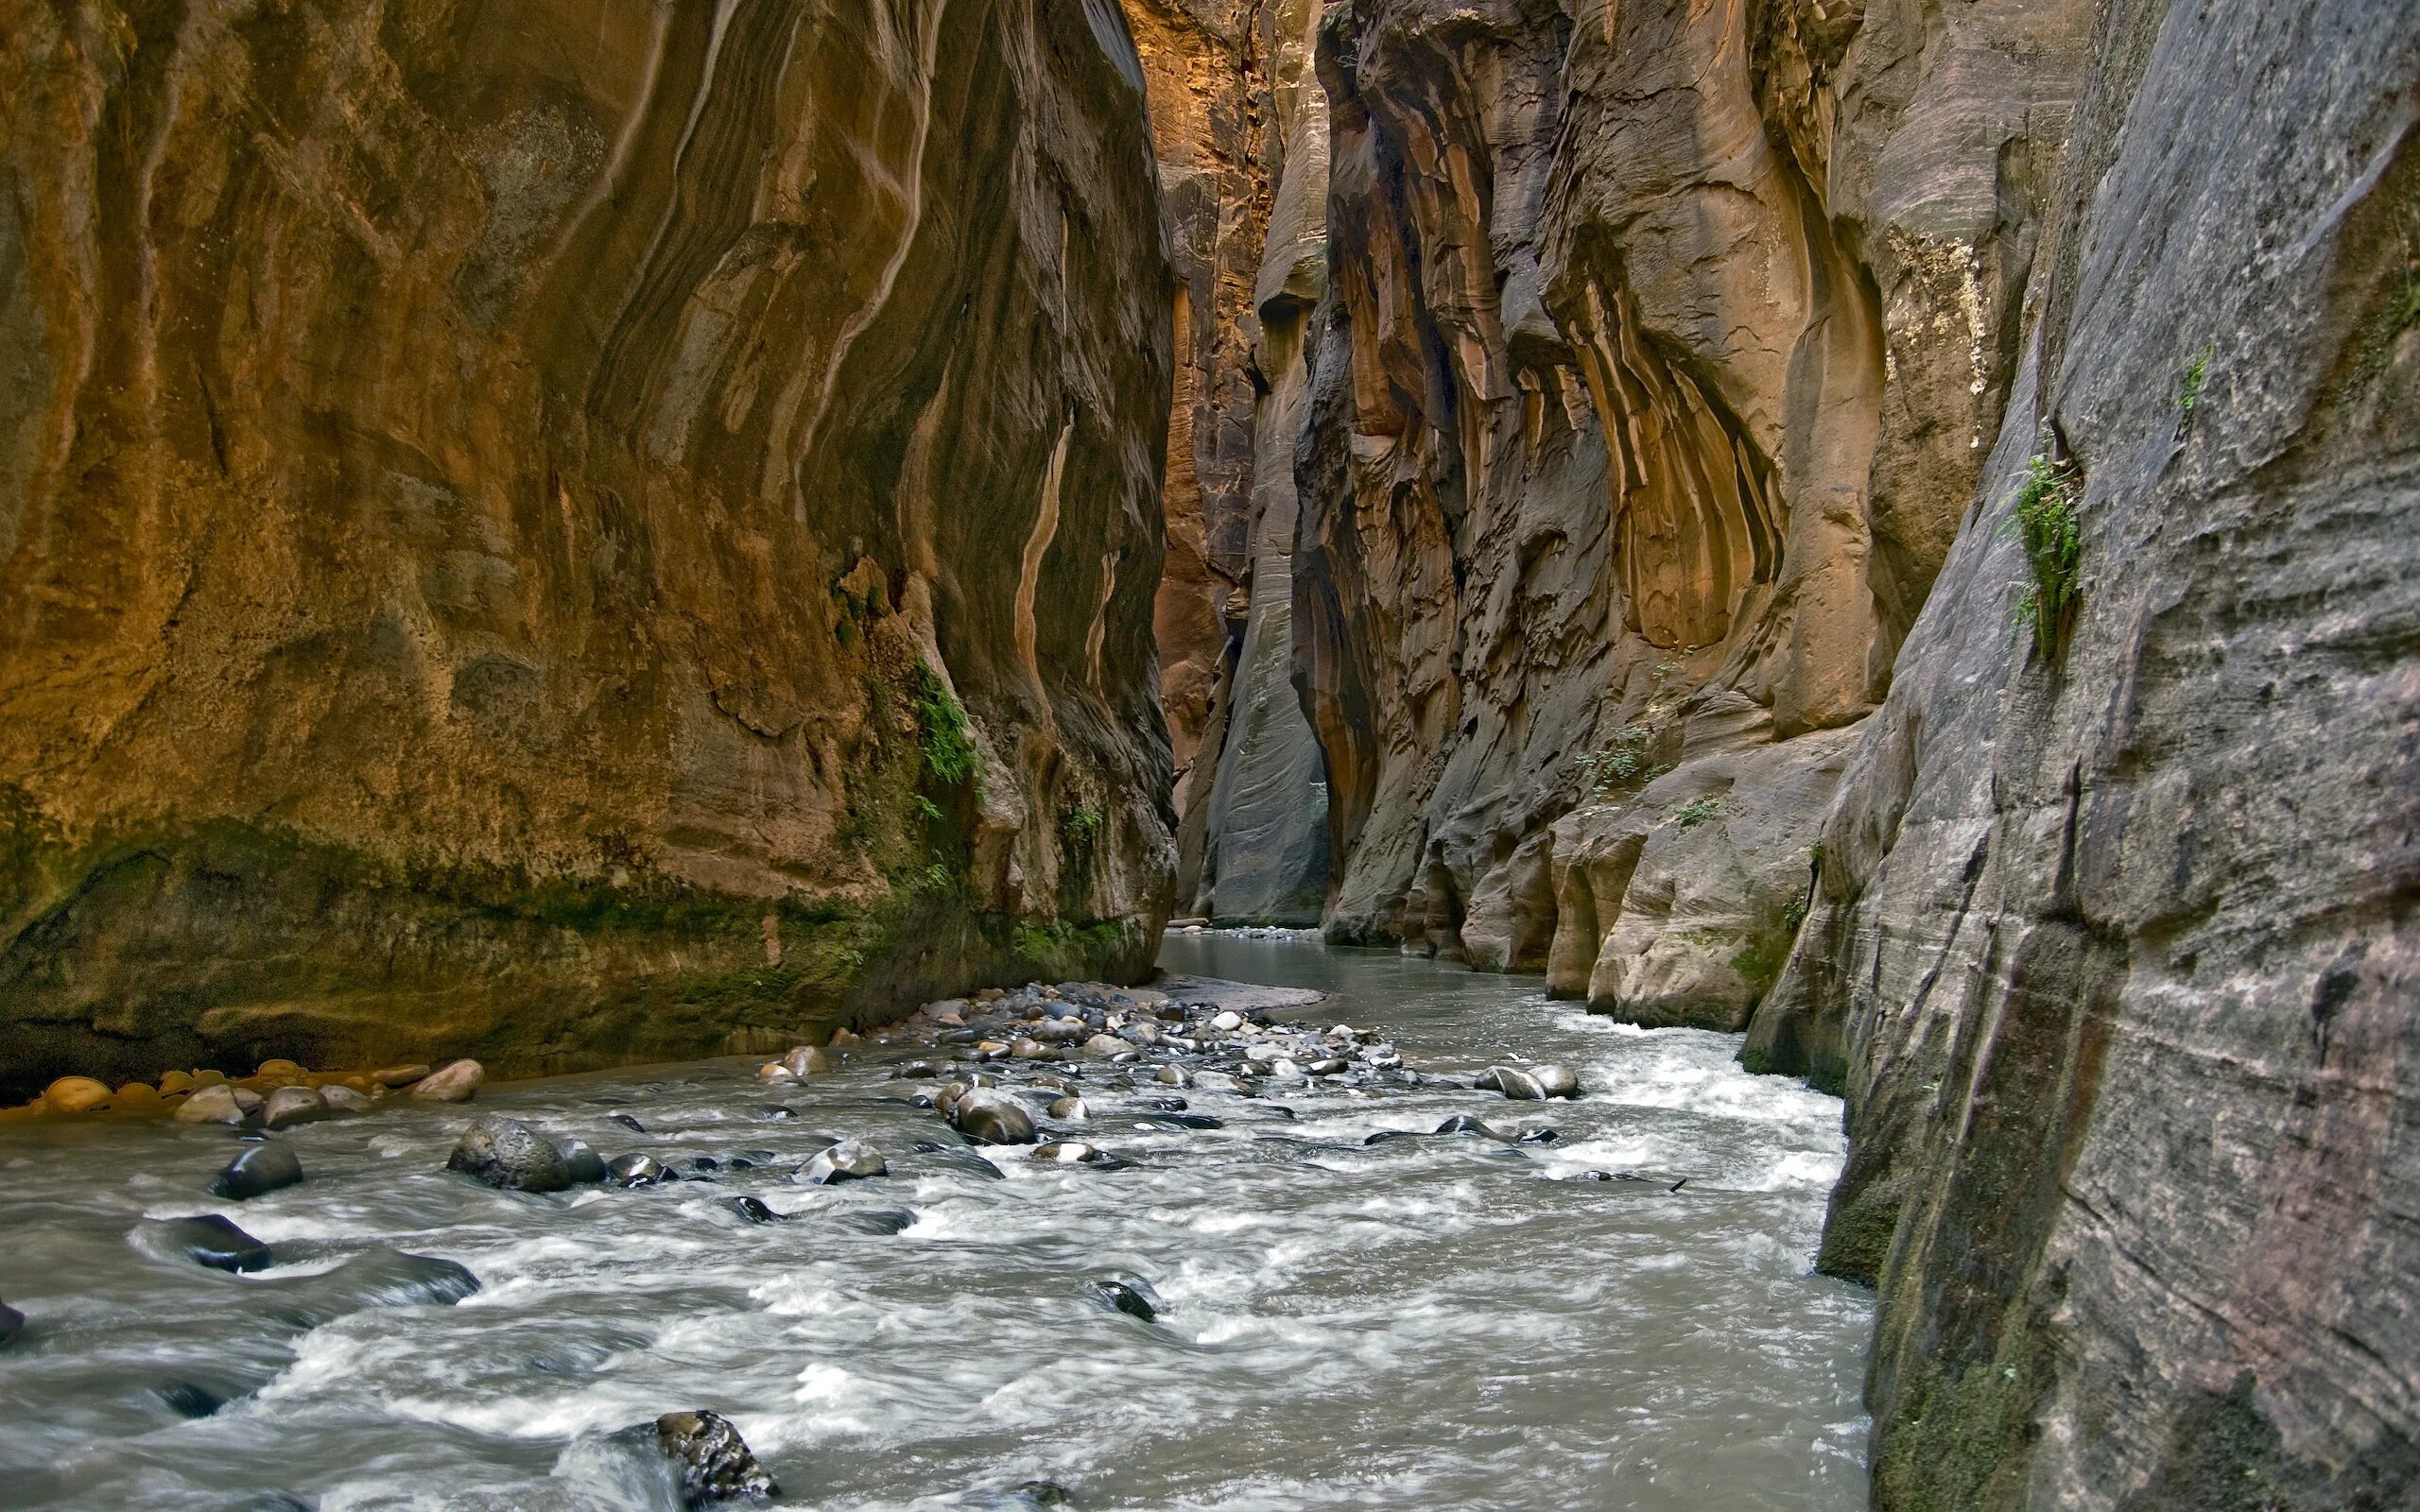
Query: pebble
x,y
76,1094
257,1169
214,1242
848,1161
458,1082
712,1461
211,1104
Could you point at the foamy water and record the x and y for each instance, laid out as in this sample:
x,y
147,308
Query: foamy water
x,y
1431,1323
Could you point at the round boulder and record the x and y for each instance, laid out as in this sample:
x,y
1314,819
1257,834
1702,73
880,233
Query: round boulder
x,y
211,1104
288,1106
75,1095
458,1082
848,1161
633,1171
988,1117
258,1168
712,1461
504,1152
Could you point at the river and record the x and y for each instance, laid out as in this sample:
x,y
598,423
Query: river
x,y
1421,1324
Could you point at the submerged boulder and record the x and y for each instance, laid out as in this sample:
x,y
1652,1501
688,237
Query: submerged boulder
x,y
989,1117
214,1242
846,1161
711,1462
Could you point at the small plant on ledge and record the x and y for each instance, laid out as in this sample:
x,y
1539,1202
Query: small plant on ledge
x,y
1697,811
2047,524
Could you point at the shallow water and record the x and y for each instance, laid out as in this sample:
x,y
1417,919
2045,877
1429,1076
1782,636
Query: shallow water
x,y
1421,1324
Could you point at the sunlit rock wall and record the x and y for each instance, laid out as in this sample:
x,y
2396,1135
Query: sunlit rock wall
x,y
569,531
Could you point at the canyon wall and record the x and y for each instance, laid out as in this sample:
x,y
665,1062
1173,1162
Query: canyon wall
x,y
1661,348
569,531
2117,931
1241,128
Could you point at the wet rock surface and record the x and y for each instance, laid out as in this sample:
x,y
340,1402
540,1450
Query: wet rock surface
x,y
431,548
258,1168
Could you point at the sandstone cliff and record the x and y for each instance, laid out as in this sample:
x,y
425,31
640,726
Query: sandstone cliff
x,y
569,531
1241,128
2114,947
1661,348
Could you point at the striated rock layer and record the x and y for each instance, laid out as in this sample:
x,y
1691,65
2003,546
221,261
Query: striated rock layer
x,y
2118,936
1241,128
1660,349
569,531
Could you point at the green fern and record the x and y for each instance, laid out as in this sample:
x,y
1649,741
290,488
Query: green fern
x,y
2047,524
949,753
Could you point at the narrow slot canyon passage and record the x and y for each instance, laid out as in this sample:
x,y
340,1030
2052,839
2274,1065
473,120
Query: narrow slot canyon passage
x,y
1209,754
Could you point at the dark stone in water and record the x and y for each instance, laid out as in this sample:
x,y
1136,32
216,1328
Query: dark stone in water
x,y
1190,1120
261,1168
628,1122
916,1071
1129,1295
188,1400
959,1158
582,1166
1388,1136
990,1118
635,1170
12,1323
1539,1136
712,1461
214,1242
774,1111
705,1163
1606,1175
401,1279
504,1152
1045,1493
876,1220
754,1211
1163,1104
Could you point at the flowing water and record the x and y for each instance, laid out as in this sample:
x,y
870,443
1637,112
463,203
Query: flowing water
x,y
1433,1323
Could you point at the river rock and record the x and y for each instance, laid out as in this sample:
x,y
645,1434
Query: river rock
x,y
988,1117
712,1461
633,1171
288,1106
753,1211
11,1324
504,1152
881,1221
458,1082
1535,1084
1068,1152
214,1242
1062,1031
76,1094
257,1169
345,1101
582,1165
394,1076
211,1104
1070,1109
851,1160
1127,1295
1100,1045
1173,1077
1226,1020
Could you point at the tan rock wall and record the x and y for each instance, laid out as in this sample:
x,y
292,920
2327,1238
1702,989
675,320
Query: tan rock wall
x,y
501,504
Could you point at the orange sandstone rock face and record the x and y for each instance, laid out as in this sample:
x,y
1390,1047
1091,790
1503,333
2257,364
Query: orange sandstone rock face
x,y
570,532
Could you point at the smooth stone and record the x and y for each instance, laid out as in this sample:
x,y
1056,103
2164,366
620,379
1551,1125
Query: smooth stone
x,y
753,1211
916,1071
633,1171
258,1168
173,1082
1105,1045
1173,1077
211,1104
1190,1120
1162,1105
393,1077
134,1095
76,1094
12,1323
582,1163
1129,1295
1464,1124
628,1122
884,1221
279,1067
504,1152
1227,1021
1329,1066
206,1077
959,1158
848,1161
1067,1152
807,1061
712,1461
1062,1031
247,1099
843,1038
457,1082
345,1100
1072,1110
213,1241
773,1074
289,1106
988,1117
